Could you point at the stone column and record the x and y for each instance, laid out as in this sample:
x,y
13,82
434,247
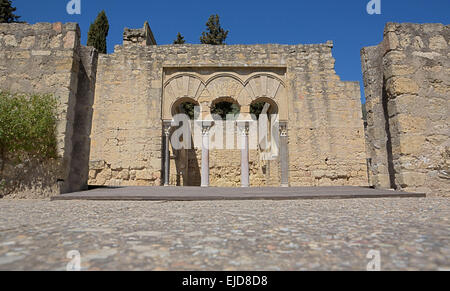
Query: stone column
x,y
245,170
167,127
205,154
284,156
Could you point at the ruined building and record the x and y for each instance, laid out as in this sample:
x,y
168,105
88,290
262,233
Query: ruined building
x,y
116,111
407,85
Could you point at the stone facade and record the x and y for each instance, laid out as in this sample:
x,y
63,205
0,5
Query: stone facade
x,y
48,58
407,84
132,100
139,87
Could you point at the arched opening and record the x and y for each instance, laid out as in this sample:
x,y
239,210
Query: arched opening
x,y
187,106
265,112
185,159
263,106
225,156
225,108
225,99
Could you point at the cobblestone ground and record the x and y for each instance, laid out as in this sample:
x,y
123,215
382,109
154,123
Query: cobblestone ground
x,y
410,234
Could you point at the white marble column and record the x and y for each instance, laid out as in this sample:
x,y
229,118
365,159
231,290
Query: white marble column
x,y
205,155
284,156
167,127
245,169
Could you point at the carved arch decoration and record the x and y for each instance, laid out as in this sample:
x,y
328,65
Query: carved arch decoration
x,y
206,89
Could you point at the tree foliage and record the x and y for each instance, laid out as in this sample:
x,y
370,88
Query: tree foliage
x,y
188,108
215,34
98,31
257,108
179,40
223,109
27,126
7,12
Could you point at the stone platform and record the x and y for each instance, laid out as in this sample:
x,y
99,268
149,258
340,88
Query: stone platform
x,y
207,194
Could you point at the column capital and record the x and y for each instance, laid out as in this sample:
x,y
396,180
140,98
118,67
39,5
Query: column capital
x,y
245,130
205,130
167,130
283,129
167,126
206,126
244,126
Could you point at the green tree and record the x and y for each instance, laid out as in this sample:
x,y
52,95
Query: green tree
x,y
179,40
225,108
215,34
188,108
257,108
7,12
98,31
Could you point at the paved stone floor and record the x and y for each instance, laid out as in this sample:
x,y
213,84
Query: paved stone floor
x,y
409,233
215,193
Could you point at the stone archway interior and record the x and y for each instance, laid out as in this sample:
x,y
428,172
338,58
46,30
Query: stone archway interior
x,y
208,87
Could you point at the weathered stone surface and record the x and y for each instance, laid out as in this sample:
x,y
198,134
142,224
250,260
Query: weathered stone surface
x,y
411,96
142,36
406,80
411,234
48,59
398,86
138,85
30,179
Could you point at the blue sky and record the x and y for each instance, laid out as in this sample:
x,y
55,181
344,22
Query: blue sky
x,y
346,22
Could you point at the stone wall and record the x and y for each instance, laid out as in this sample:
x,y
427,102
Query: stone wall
x,y
377,129
48,58
326,133
407,83
406,80
143,36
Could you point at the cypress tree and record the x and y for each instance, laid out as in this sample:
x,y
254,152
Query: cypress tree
x,y
179,40
215,34
7,12
98,31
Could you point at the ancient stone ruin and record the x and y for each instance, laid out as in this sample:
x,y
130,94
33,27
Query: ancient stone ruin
x,y
117,110
48,58
407,84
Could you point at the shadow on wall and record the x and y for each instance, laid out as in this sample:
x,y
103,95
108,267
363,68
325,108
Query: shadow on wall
x,y
390,157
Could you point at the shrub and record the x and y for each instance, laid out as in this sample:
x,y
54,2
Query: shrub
x,y
27,127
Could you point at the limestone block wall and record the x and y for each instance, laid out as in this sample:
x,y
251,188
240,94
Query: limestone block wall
x,y
48,58
407,80
126,134
143,36
377,129
326,132
326,137
87,72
